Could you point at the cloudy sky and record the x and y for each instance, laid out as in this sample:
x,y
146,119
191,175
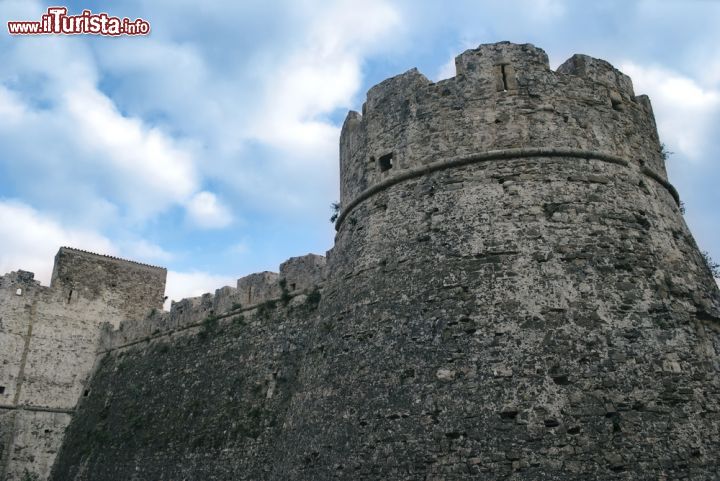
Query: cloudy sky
x,y
210,146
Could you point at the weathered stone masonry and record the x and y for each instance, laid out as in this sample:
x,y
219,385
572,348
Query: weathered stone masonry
x,y
512,294
97,304
49,338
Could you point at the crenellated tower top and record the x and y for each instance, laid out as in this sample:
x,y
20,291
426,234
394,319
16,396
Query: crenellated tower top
x,y
504,97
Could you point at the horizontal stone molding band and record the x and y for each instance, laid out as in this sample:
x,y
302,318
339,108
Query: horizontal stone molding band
x,y
504,154
11,407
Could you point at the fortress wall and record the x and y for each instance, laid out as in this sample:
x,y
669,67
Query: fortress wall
x,y
14,321
298,274
28,440
52,334
209,339
61,353
36,438
586,104
527,312
50,350
208,402
531,316
506,320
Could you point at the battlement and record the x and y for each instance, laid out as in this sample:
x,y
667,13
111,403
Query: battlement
x,y
503,66
598,71
18,279
303,272
297,277
504,96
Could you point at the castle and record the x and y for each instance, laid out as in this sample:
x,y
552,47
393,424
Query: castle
x,y
512,294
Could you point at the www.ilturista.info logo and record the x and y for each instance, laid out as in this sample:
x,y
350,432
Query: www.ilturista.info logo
x,y
57,21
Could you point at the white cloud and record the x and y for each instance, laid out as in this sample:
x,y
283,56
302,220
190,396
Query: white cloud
x,y
684,110
322,74
150,168
58,123
192,284
12,110
446,70
29,240
145,251
205,211
169,100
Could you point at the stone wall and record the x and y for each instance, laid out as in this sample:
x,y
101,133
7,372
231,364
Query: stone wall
x,y
206,402
49,338
132,288
298,277
52,336
527,318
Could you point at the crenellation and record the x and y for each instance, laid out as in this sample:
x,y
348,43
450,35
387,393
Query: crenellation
x,y
504,96
22,283
19,277
298,275
395,92
226,298
483,66
259,287
599,71
303,273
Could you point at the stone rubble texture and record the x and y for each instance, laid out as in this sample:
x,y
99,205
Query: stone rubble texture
x,y
48,345
512,294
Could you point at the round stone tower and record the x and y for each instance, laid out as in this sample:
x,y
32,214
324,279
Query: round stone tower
x,y
513,291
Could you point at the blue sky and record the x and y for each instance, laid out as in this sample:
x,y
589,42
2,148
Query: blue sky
x,y
210,146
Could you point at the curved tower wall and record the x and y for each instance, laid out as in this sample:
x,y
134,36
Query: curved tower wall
x,y
517,293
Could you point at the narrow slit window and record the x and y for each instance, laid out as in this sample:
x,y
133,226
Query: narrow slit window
x,y
86,393
500,81
292,286
2,389
504,76
70,296
249,294
385,162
